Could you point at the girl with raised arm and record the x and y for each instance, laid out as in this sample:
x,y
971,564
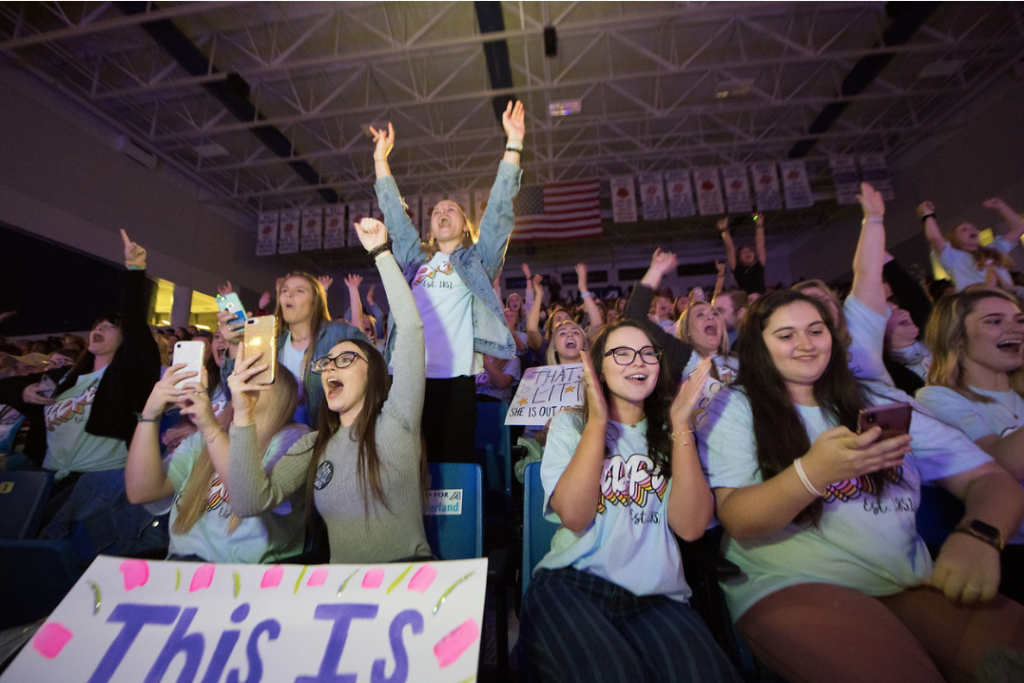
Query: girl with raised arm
x,y
451,276
363,467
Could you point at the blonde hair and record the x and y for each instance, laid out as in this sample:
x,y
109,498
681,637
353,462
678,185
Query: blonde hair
x,y
683,330
318,316
470,235
946,336
841,329
278,408
552,353
982,255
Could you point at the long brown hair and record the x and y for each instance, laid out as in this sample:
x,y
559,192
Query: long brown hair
x,y
470,235
280,405
319,316
779,431
946,337
364,432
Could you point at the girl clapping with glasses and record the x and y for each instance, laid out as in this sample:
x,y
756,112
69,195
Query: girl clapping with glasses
x,y
363,465
609,601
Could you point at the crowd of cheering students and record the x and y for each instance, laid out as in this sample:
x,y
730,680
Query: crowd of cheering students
x,y
732,413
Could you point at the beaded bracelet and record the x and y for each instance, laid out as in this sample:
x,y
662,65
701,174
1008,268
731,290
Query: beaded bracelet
x,y
379,249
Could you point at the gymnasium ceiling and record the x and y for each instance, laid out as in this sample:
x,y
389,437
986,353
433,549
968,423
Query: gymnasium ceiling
x,y
265,104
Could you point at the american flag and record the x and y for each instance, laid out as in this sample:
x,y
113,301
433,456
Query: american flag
x,y
558,211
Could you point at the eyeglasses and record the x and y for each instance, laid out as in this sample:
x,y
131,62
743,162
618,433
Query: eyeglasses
x,y
341,361
623,355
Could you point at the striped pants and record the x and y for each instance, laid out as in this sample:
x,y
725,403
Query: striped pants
x,y
579,627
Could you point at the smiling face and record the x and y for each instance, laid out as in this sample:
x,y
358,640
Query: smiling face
x,y
345,389
569,342
447,221
634,382
746,256
705,328
799,344
105,339
965,237
296,300
995,336
515,302
900,330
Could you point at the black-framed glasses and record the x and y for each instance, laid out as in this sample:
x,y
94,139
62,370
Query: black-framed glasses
x,y
624,355
341,361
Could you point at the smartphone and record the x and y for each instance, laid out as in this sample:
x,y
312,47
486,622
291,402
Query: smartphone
x,y
191,354
232,304
261,335
893,418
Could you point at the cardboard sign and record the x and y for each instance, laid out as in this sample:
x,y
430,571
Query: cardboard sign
x,y
544,392
135,620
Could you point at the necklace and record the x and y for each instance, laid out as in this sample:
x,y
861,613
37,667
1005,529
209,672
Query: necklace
x,y
297,340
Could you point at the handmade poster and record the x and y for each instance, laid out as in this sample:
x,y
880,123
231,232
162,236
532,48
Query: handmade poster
x,y
845,178
266,234
139,620
709,191
652,197
623,199
680,194
795,185
544,392
334,226
875,171
312,228
289,239
429,201
737,189
766,186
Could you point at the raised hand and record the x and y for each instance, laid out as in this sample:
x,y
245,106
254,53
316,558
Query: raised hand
x,y
526,271
689,394
581,276
597,406
134,255
663,261
264,300
372,233
514,121
722,224
925,208
225,288
352,281
720,267
384,142
994,203
538,287
369,294
325,281
871,202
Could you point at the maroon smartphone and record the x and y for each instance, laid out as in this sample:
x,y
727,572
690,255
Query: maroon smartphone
x,y
893,418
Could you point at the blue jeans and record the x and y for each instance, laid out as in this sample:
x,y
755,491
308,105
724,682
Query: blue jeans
x,y
578,627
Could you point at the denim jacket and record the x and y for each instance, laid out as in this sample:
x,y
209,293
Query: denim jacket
x,y
478,265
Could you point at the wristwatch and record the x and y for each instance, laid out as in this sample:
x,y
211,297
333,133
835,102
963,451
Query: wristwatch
x,y
983,532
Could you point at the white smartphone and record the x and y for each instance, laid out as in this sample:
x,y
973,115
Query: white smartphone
x,y
191,353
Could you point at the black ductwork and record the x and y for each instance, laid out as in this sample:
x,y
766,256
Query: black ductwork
x,y
232,92
499,67
907,18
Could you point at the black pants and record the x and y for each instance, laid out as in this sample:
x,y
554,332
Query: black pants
x,y
449,419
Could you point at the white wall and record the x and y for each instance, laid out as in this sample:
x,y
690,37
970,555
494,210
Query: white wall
x,y
61,179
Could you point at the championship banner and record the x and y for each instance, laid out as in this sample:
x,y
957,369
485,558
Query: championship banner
x,y
737,189
312,228
334,226
465,200
357,211
680,194
623,199
137,620
875,172
429,202
652,197
709,191
766,186
289,242
266,234
795,185
845,178
544,392
480,199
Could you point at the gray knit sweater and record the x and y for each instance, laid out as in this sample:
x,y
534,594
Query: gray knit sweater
x,y
355,537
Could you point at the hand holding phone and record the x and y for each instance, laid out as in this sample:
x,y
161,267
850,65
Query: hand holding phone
x,y
232,304
191,354
893,418
261,336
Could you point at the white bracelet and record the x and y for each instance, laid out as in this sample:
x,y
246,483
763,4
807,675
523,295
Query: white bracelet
x,y
586,295
799,467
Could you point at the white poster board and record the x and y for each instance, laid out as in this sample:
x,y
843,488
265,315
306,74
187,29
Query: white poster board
x,y
134,620
544,392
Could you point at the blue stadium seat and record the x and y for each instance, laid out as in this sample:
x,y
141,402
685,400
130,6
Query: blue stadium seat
x,y
537,531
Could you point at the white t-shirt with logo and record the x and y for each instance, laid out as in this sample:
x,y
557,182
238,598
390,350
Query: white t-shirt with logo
x,y
629,542
69,448
446,306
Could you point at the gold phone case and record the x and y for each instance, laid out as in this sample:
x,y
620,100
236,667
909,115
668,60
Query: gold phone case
x,y
261,335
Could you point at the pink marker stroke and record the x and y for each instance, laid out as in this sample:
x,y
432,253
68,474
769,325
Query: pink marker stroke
x,y
136,573
423,578
451,647
373,578
272,577
317,578
50,639
202,578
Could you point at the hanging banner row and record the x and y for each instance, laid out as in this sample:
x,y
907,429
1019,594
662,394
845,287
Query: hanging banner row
x,y
708,191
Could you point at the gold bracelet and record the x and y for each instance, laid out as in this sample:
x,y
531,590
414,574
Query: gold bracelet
x,y
681,443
